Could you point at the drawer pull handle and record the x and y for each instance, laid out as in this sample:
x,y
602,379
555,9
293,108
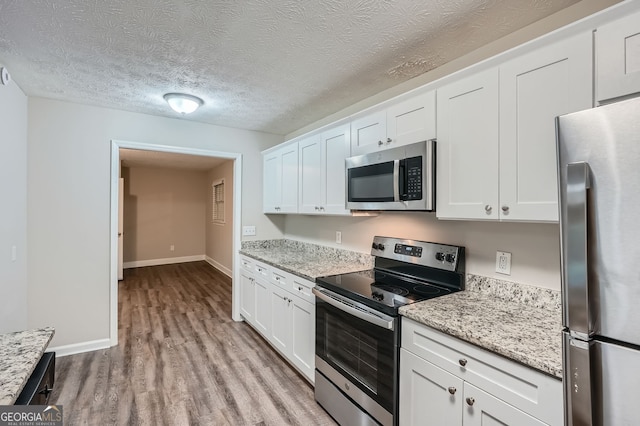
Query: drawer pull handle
x,y
452,390
470,401
299,288
462,362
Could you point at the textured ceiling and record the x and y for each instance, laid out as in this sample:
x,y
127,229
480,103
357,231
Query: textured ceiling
x,y
270,65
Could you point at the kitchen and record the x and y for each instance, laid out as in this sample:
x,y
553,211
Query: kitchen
x,y
533,246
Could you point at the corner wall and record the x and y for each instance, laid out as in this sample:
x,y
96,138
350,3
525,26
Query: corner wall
x,y
220,235
69,166
13,214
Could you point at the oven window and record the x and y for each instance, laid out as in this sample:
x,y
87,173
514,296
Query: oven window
x,y
353,351
371,183
364,353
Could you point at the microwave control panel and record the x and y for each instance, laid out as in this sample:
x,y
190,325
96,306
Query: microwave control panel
x,y
413,170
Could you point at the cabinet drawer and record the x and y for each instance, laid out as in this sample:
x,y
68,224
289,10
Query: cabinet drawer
x,y
282,279
302,288
246,264
261,270
531,391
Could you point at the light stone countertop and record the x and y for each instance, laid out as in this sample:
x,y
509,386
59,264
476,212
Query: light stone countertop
x,y
306,260
522,323
19,355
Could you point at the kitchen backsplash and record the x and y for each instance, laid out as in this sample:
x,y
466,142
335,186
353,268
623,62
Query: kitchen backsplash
x,y
516,292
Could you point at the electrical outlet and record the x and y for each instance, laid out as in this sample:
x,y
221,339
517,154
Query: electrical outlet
x,y
172,247
248,230
338,237
503,262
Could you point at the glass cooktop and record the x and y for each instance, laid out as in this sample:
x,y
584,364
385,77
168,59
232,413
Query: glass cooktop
x,y
381,290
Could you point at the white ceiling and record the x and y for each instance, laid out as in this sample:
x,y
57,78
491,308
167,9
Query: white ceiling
x,y
270,65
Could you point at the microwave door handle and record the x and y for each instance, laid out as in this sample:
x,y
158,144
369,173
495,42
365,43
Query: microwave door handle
x,y
396,180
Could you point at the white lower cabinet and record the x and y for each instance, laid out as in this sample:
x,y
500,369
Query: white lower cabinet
x,y
445,381
281,307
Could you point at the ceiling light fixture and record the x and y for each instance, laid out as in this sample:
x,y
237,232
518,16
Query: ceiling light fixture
x,y
183,103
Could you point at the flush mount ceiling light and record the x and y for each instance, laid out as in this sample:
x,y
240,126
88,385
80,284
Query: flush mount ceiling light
x,y
183,103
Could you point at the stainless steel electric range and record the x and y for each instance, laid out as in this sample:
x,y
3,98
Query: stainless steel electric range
x,y
358,329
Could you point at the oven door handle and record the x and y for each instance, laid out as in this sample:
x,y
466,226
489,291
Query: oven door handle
x,y
362,314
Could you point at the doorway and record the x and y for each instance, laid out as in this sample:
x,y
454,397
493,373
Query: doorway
x,y
116,145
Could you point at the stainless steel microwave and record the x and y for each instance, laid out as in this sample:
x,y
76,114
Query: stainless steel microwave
x,y
401,178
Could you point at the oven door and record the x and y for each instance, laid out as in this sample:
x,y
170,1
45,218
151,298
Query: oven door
x,y
358,345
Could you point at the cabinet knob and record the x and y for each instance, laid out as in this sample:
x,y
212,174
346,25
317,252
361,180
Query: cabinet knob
x,y
470,401
462,362
321,208
379,143
452,390
505,209
488,208
299,288
389,140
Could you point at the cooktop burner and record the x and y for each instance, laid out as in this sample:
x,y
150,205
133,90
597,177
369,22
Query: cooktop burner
x,y
406,271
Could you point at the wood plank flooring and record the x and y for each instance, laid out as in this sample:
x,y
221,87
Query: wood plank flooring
x,y
182,360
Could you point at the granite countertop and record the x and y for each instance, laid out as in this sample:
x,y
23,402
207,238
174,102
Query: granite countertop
x,y
520,322
306,260
19,355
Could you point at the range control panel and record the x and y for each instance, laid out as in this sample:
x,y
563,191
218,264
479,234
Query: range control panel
x,y
434,255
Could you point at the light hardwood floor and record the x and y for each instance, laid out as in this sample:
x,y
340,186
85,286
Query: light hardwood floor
x,y
182,360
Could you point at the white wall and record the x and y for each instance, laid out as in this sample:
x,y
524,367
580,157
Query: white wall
x,y
69,211
13,214
535,251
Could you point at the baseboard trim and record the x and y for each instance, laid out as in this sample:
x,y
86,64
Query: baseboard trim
x,y
220,267
166,261
78,348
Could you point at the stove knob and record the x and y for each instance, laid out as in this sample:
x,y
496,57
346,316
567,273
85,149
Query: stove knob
x,y
440,256
374,246
377,296
451,258
380,246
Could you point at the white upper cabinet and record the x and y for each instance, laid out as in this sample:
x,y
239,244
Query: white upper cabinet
x,y
534,89
618,58
408,121
280,180
369,133
496,134
467,149
310,163
413,120
322,172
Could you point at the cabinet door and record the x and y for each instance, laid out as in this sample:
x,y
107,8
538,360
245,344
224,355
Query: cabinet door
x,y
281,320
271,182
336,147
467,172
310,196
262,317
289,180
412,120
369,133
481,408
534,89
428,394
618,58
303,322
247,296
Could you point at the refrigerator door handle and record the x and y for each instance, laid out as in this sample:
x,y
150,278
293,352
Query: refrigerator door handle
x,y
576,300
577,381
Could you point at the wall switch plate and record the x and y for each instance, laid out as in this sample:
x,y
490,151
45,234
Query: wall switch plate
x,y
503,262
338,237
248,230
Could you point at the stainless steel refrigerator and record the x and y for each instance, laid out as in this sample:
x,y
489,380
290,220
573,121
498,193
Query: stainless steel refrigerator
x,y
599,168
